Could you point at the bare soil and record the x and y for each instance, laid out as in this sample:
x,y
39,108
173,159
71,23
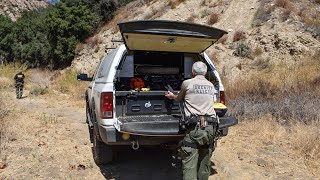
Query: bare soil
x,y
52,142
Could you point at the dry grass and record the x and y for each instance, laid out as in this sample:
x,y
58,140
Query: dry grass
x,y
4,110
160,11
93,41
283,3
80,47
7,73
262,63
288,96
41,77
10,70
286,14
174,3
7,128
263,14
38,90
213,56
203,3
239,35
115,30
301,139
214,18
156,12
258,51
150,14
67,83
305,139
191,19
40,81
6,83
223,39
204,13
311,18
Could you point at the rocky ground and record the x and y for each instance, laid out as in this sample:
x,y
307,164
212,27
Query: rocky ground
x,y
14,8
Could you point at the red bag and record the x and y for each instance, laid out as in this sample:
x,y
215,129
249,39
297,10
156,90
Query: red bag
x,y
136,83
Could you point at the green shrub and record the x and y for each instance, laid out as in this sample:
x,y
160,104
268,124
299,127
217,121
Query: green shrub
x,y
243,50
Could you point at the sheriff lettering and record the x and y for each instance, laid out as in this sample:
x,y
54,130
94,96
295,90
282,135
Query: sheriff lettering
x,y
202,89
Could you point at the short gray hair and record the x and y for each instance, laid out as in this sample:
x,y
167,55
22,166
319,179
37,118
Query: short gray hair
x,y
199,68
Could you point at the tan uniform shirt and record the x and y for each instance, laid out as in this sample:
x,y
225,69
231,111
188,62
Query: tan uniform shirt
x,y
197,95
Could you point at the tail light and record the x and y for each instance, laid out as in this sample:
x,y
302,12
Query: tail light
x,y
106,106
222,97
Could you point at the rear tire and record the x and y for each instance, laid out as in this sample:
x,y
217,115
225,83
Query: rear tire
x,y
102,153
87,113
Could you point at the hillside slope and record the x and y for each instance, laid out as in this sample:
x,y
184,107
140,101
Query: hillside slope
x,y
14,8
271,36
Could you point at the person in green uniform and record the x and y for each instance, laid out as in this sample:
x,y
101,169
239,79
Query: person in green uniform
x,y
200,122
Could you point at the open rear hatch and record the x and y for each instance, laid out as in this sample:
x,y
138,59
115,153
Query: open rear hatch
x,y
168,36
158,51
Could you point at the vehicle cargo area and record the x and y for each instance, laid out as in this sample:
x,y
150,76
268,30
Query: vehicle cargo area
x,y
143,78
141,82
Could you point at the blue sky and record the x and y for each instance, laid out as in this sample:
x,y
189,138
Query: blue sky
x,y
53,1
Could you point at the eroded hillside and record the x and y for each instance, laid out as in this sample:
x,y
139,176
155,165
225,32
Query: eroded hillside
x,y
261,33
14,8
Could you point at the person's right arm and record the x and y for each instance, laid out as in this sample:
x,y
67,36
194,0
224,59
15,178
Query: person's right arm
x,y
181,93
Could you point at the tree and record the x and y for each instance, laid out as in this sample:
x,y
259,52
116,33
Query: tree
x,y
6,38
48,37
31,45
68,24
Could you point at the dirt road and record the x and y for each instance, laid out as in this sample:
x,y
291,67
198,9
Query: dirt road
x,y
50,140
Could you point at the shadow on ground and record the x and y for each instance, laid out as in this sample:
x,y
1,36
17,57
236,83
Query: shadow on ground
x,y
144,164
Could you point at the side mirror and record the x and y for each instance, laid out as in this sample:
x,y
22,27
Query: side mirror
x,y
84,77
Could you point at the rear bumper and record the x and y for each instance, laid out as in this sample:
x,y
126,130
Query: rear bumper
x,y
110,135
162,125
153,125
153,129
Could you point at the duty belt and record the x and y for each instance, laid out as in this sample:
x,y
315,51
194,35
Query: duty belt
x,y
196,119
201,120
196,146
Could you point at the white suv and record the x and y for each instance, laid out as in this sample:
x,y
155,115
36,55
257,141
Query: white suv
x,y
125,100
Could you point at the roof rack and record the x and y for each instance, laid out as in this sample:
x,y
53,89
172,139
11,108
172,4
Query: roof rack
x,y
117,41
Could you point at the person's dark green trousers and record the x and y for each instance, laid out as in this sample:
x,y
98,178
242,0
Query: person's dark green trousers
x,y
196,163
